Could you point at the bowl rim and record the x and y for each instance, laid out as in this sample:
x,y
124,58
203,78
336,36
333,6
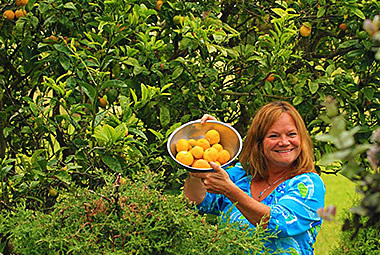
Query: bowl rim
x,y
193,169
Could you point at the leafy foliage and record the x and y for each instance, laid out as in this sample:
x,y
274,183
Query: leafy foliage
x,y
132,217
363,171
365,241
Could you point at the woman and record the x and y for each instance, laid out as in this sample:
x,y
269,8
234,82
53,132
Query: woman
x,y
275,184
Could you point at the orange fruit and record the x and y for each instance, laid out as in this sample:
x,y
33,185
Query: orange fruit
x,y
20,13
201,163
192,142
223,157
102,102
9,15
185,157
197,152
270,78
159,4
218,146
343,27
305,30
204,143
182,145
211,154
212,136
22,2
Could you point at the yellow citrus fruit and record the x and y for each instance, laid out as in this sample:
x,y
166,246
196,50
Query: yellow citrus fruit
x,y
201,163
9,15
305,30
203,143
192,142
223,157
197,152
53,192
211,154
185,157
212,136
22,2
20,13
218,146
218,163
182,145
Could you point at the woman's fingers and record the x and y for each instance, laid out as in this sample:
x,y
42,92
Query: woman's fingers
x,y
206,117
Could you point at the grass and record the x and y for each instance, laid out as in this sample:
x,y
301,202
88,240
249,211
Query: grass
x,y
339,192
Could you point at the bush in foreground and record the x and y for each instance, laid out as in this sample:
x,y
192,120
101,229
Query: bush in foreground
x,y
125,216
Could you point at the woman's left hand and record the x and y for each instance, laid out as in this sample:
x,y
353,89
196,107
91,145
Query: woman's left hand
x,y
217,182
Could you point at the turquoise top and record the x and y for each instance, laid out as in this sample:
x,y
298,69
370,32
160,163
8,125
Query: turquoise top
x,y
294,204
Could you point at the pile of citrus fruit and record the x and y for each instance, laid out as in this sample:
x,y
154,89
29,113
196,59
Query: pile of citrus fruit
x,y
199,153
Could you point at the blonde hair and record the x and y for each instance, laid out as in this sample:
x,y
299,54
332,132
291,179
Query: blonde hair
x,y
252,156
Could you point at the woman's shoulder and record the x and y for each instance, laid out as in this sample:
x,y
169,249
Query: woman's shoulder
x,y
309,179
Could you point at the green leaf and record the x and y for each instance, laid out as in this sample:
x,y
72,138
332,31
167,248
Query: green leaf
x,y
114,84
120,131
321,12
164,116
172,128
33,108
36,155
70,5
99,117
369,92
109,132
64,61
177,72
358,13
313,87
349,43
334,156
297,100
112,163
137,132
63,176
157,134
89,90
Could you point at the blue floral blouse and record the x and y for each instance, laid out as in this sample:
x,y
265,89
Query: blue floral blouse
x,y
294,204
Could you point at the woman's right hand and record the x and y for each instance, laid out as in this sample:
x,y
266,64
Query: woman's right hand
x,y
207,117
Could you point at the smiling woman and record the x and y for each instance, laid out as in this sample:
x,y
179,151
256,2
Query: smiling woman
x,y
275,184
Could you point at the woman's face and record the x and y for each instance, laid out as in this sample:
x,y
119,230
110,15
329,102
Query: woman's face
x,y
282,143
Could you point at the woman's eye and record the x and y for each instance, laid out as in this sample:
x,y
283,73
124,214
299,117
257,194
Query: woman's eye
x,y
272,136
292,134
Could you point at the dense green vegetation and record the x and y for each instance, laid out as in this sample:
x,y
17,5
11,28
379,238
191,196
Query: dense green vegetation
x,y
91,90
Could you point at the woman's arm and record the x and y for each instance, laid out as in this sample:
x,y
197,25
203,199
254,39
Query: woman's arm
x,y
194,189
219,182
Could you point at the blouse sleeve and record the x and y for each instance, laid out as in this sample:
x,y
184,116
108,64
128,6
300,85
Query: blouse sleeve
x,y
214,203
296,211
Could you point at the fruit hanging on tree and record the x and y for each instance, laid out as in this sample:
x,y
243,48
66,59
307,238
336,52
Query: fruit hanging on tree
x,y
9,15
305,29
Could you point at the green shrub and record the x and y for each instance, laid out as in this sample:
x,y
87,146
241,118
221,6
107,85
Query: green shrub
x,y
134,217
365,242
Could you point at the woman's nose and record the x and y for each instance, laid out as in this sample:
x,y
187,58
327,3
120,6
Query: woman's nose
x,y
284,141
